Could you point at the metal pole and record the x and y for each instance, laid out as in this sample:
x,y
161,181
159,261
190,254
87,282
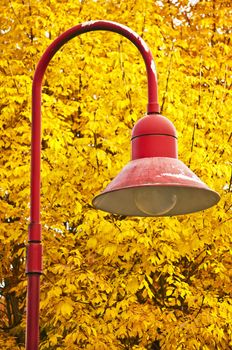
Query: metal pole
x,y
34,248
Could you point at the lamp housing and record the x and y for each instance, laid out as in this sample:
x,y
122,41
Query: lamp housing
x,y
155,182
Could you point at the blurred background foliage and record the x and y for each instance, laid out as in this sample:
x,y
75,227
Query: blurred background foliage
x,y
112,282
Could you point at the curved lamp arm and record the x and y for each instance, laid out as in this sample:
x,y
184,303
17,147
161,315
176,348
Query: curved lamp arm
x,y
34,249
153,106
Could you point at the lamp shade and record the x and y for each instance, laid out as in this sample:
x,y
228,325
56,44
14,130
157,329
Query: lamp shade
x,y
155,182
155,186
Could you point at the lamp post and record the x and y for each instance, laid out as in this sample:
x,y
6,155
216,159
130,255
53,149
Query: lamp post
x,y
154,183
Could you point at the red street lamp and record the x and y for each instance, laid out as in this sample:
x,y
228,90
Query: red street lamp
x,y
154,183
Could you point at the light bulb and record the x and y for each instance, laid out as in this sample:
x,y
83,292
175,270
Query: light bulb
x,y
155,201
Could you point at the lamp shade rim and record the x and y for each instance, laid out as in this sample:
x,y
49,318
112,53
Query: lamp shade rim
x,y
121,201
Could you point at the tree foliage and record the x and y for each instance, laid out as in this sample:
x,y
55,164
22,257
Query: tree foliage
x,y
112,282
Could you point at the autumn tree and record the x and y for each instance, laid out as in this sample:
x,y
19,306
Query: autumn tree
x,y
114,282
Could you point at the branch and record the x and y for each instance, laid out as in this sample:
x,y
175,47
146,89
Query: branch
x,y
202,302
167,81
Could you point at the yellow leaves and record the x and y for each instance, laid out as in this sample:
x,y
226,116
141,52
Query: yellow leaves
x,y
91,243
56,291
133,284
65,308
110,250
101,155
147,288
71,338
218,268
53,340
169,292
145,240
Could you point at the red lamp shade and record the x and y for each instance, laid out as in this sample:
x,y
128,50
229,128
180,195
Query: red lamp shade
x,y
155,182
